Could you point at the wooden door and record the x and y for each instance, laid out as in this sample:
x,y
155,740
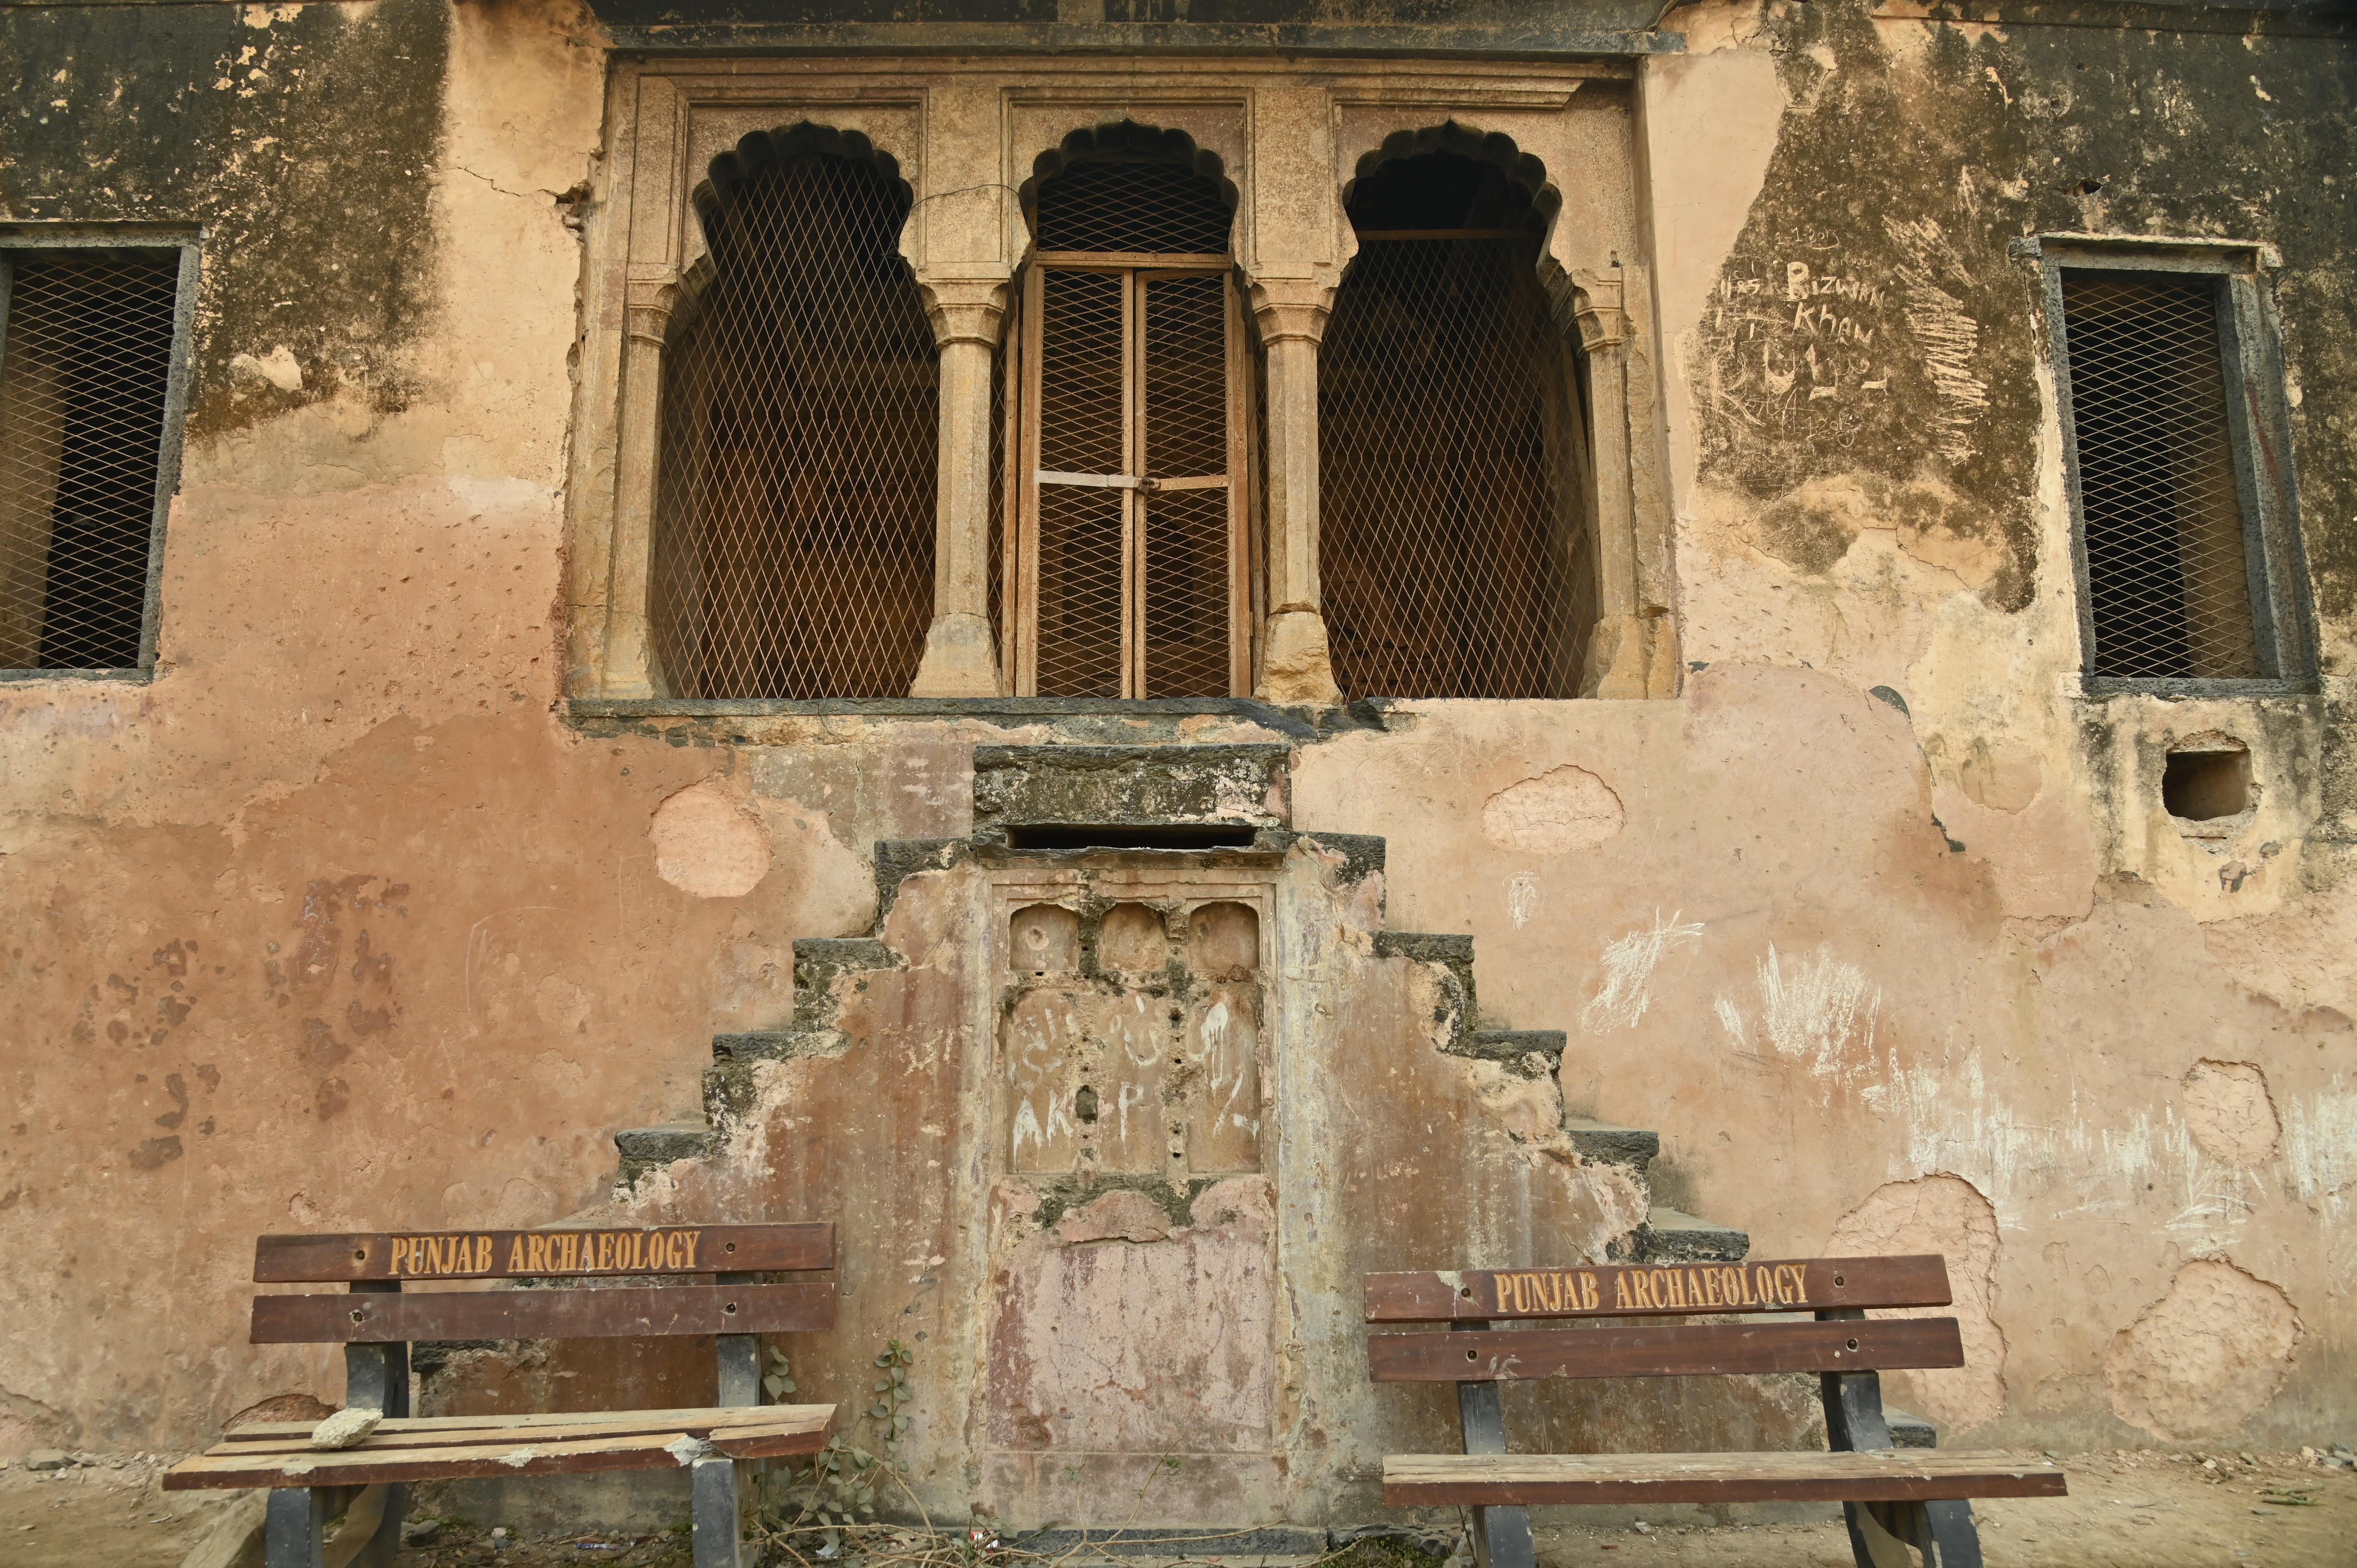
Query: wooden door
x,y
1128,532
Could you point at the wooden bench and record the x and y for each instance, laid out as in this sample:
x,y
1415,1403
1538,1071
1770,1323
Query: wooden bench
x,y
1893,1498
376,1323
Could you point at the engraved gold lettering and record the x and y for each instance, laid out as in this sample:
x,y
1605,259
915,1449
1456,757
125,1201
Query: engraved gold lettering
x,y
605,1250
1799,1284
515,1254
1710,1288
570,1252
670,1250
1622,1298
1765,1282
1550,1287
1588,1297
535,1253
483,1254
692,1237
437,1254
400,1256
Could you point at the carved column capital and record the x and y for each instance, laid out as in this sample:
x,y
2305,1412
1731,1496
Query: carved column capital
x,y
649,297
964,310
1292,308
1596,308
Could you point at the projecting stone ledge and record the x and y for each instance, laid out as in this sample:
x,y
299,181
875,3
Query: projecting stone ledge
x,y
1610,1146
646,1148
1670,1236
1237,787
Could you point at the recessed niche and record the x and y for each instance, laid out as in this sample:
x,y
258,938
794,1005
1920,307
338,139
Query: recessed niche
x,y
2206,779
1133,939
1044,938
1224,942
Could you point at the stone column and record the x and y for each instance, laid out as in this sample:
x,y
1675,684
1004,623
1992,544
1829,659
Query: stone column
x,y
1295,664
1621,651
637,446
960,650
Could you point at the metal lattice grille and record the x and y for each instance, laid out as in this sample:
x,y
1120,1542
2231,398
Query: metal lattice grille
x,y
1164,208
1445,564
1186,586
2168,568
794,544
83,374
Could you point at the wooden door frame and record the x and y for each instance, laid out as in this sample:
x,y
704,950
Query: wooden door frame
x,y
1019,630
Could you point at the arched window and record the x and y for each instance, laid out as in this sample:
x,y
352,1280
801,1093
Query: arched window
x,y
1452,532
794,510
1127,526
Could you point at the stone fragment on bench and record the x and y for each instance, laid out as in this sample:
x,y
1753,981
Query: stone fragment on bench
x,y
346,1429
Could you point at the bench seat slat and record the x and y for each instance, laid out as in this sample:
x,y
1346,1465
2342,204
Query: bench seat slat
x,y
780,1430
683,1419
532,1254
393,1434
1613,1290
1643,1350
612,1311
1420,1480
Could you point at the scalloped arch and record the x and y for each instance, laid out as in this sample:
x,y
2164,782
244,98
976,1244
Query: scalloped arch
x,y
1123,138
761,150
1522,169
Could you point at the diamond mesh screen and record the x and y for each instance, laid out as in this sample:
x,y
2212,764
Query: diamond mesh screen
x,y
1118,205
1186,427
2168,564
83,373
794,521
1443,567
1083,410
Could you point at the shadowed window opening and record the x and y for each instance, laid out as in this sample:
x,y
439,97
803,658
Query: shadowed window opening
x,y
2168,558
1453,533
83,376
2202,786
794,524
1126,835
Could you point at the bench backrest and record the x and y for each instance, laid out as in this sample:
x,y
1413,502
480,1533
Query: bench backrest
x,y
1837,1290
377,1265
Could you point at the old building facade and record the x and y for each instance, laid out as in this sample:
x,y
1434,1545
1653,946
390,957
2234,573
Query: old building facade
x,y
1156,654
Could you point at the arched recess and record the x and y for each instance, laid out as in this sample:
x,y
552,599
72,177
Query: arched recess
x,y
1457,536
795,512
1122,567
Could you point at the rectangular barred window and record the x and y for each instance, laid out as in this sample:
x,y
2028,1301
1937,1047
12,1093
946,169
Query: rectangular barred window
x,y
89,339
2179,477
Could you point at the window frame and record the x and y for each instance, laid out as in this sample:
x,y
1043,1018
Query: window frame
x,y
2257,420
186,242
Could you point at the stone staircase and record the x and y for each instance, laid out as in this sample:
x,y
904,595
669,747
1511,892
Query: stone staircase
x,y
1667,1235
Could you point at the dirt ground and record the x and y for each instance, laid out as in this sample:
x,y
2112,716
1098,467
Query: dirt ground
x,y
2141,1508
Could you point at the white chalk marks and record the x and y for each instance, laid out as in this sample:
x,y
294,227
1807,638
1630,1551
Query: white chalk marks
x,y
1628,966
1943,329
1818,1010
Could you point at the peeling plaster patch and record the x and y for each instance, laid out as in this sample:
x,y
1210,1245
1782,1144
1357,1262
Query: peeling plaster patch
x,y
2228,1113
1559,812
1819,1010
708,842
1948,1215
277,368
1628,970
1529,1108
2204,1359
1119,1216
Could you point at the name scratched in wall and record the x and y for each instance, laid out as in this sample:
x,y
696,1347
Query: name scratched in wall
x,y
1684,1288
1793,337
545,1252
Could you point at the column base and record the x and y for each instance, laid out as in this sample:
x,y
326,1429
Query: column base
x,y
1632,656
1295,669
961,659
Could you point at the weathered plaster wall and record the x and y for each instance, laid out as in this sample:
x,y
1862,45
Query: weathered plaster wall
x,y
340,922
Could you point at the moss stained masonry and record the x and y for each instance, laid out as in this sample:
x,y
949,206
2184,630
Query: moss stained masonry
x,y
347,920
302,138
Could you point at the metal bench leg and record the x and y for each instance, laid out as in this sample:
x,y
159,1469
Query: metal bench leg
x,y
1955,1539
293,1529
1502,1536
718,1536
376,1376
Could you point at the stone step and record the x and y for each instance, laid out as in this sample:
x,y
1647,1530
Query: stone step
x,y
1607,1145
1515,1047
645,1148
776,1045
1672,1236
